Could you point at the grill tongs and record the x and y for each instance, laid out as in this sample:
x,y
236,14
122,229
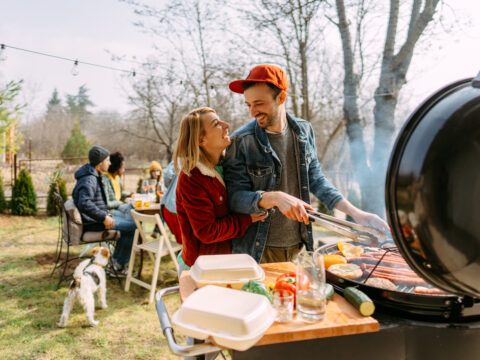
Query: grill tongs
x,y
364,235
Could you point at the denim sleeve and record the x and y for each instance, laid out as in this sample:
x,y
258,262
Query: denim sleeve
x,y
319,185
242,198
169,174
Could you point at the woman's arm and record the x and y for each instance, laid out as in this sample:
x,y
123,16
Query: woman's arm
x,y
200,211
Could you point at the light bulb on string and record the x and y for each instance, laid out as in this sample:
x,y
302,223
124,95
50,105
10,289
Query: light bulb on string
x,y
74,70
3,52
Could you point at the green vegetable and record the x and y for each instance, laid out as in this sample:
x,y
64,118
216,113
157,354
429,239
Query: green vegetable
x,y
360,300
329,291
257,287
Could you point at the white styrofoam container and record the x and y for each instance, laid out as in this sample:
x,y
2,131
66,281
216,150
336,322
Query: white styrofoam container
x,y
235,319
223,270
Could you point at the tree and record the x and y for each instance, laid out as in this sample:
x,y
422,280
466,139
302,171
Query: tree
x,y
77,145
395,61
24,198
10,112
54,100
3,200
78,104
56,185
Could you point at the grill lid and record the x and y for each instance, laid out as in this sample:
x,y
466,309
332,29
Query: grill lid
x,y
433,189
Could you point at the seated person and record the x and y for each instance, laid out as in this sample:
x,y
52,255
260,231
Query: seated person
x,y
112,184
202,207
167,202
89,197
155,174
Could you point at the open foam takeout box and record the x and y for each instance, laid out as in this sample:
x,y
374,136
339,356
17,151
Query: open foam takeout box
x,y
232,270
234,319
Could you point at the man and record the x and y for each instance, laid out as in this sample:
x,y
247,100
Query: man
x,y
272,163
89,197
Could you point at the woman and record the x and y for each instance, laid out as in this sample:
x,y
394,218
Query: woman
x,y
202,207
155,174
112,184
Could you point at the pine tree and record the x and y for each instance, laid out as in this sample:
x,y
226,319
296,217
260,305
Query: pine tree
x,y
3,200
57,185
77,144
24,198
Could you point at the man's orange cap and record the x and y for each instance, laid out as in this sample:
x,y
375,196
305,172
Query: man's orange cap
x,y
263,73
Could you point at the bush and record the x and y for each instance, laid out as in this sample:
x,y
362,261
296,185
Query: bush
x,y
77,145
56,185
24,198
3,201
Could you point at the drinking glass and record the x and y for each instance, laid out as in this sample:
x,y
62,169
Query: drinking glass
x,y
138,200
310,286
146,201
283,305
152,184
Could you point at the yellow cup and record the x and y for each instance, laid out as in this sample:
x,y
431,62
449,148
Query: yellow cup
x,y
138,203
146,204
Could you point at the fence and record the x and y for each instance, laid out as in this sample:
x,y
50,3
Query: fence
x,y
41,169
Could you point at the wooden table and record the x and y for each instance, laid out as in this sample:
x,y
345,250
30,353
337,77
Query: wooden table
x,y
341,317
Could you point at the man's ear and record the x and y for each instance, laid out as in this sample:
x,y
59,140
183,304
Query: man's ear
x,y
282,97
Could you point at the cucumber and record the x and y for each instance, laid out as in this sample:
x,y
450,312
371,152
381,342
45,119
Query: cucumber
x,y
329,291
360,300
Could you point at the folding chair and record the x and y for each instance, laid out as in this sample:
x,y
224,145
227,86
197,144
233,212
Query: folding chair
x,y
70,223
156,249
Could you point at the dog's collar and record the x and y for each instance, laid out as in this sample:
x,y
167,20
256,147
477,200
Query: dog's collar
x,y
96,263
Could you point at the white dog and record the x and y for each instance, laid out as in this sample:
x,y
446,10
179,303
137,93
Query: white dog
x,y
88,277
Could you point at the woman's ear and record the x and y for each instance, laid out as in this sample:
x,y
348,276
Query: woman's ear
x,y
202,141
282,97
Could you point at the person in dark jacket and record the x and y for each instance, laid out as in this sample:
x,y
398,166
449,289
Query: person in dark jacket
x,y
90,199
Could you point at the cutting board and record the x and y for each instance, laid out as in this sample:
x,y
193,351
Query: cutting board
x,y
341,317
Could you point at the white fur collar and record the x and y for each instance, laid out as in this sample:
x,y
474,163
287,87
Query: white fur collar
x,y
208,171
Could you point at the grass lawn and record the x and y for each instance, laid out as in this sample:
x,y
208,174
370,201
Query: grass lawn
x,y
30,306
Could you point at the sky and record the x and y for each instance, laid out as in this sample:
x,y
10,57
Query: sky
x,y
88,30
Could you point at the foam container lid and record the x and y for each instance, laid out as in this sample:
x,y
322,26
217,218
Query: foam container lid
x,y
226,269
235,319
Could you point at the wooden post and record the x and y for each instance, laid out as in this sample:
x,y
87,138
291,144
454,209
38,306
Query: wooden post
x,y
14,168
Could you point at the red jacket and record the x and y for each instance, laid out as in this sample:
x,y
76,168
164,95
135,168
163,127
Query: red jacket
x,y
205,219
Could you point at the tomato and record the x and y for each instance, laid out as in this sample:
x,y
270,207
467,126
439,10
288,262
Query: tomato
x,y
288,281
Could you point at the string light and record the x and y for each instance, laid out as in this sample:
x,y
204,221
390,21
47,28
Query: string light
x,y
75,70
3,52
76,62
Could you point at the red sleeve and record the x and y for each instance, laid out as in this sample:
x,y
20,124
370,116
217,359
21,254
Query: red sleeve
x,y
200,211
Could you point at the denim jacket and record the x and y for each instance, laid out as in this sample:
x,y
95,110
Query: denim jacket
x,y
170,179
251,167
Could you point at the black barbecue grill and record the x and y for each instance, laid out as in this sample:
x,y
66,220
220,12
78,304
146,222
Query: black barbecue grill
x,y
432,197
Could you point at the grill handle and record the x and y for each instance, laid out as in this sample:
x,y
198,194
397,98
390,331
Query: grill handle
x,y
185,351
364,235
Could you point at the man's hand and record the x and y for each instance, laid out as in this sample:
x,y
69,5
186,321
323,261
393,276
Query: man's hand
x,y
290,206
258,217
108,222
361,217
368,219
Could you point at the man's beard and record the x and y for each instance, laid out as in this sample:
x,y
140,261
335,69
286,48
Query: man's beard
x,y
269,121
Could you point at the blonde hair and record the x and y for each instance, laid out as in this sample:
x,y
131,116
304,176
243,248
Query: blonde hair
x,y
188,153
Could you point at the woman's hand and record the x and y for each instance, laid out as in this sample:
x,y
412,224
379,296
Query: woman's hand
x,y
258,217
